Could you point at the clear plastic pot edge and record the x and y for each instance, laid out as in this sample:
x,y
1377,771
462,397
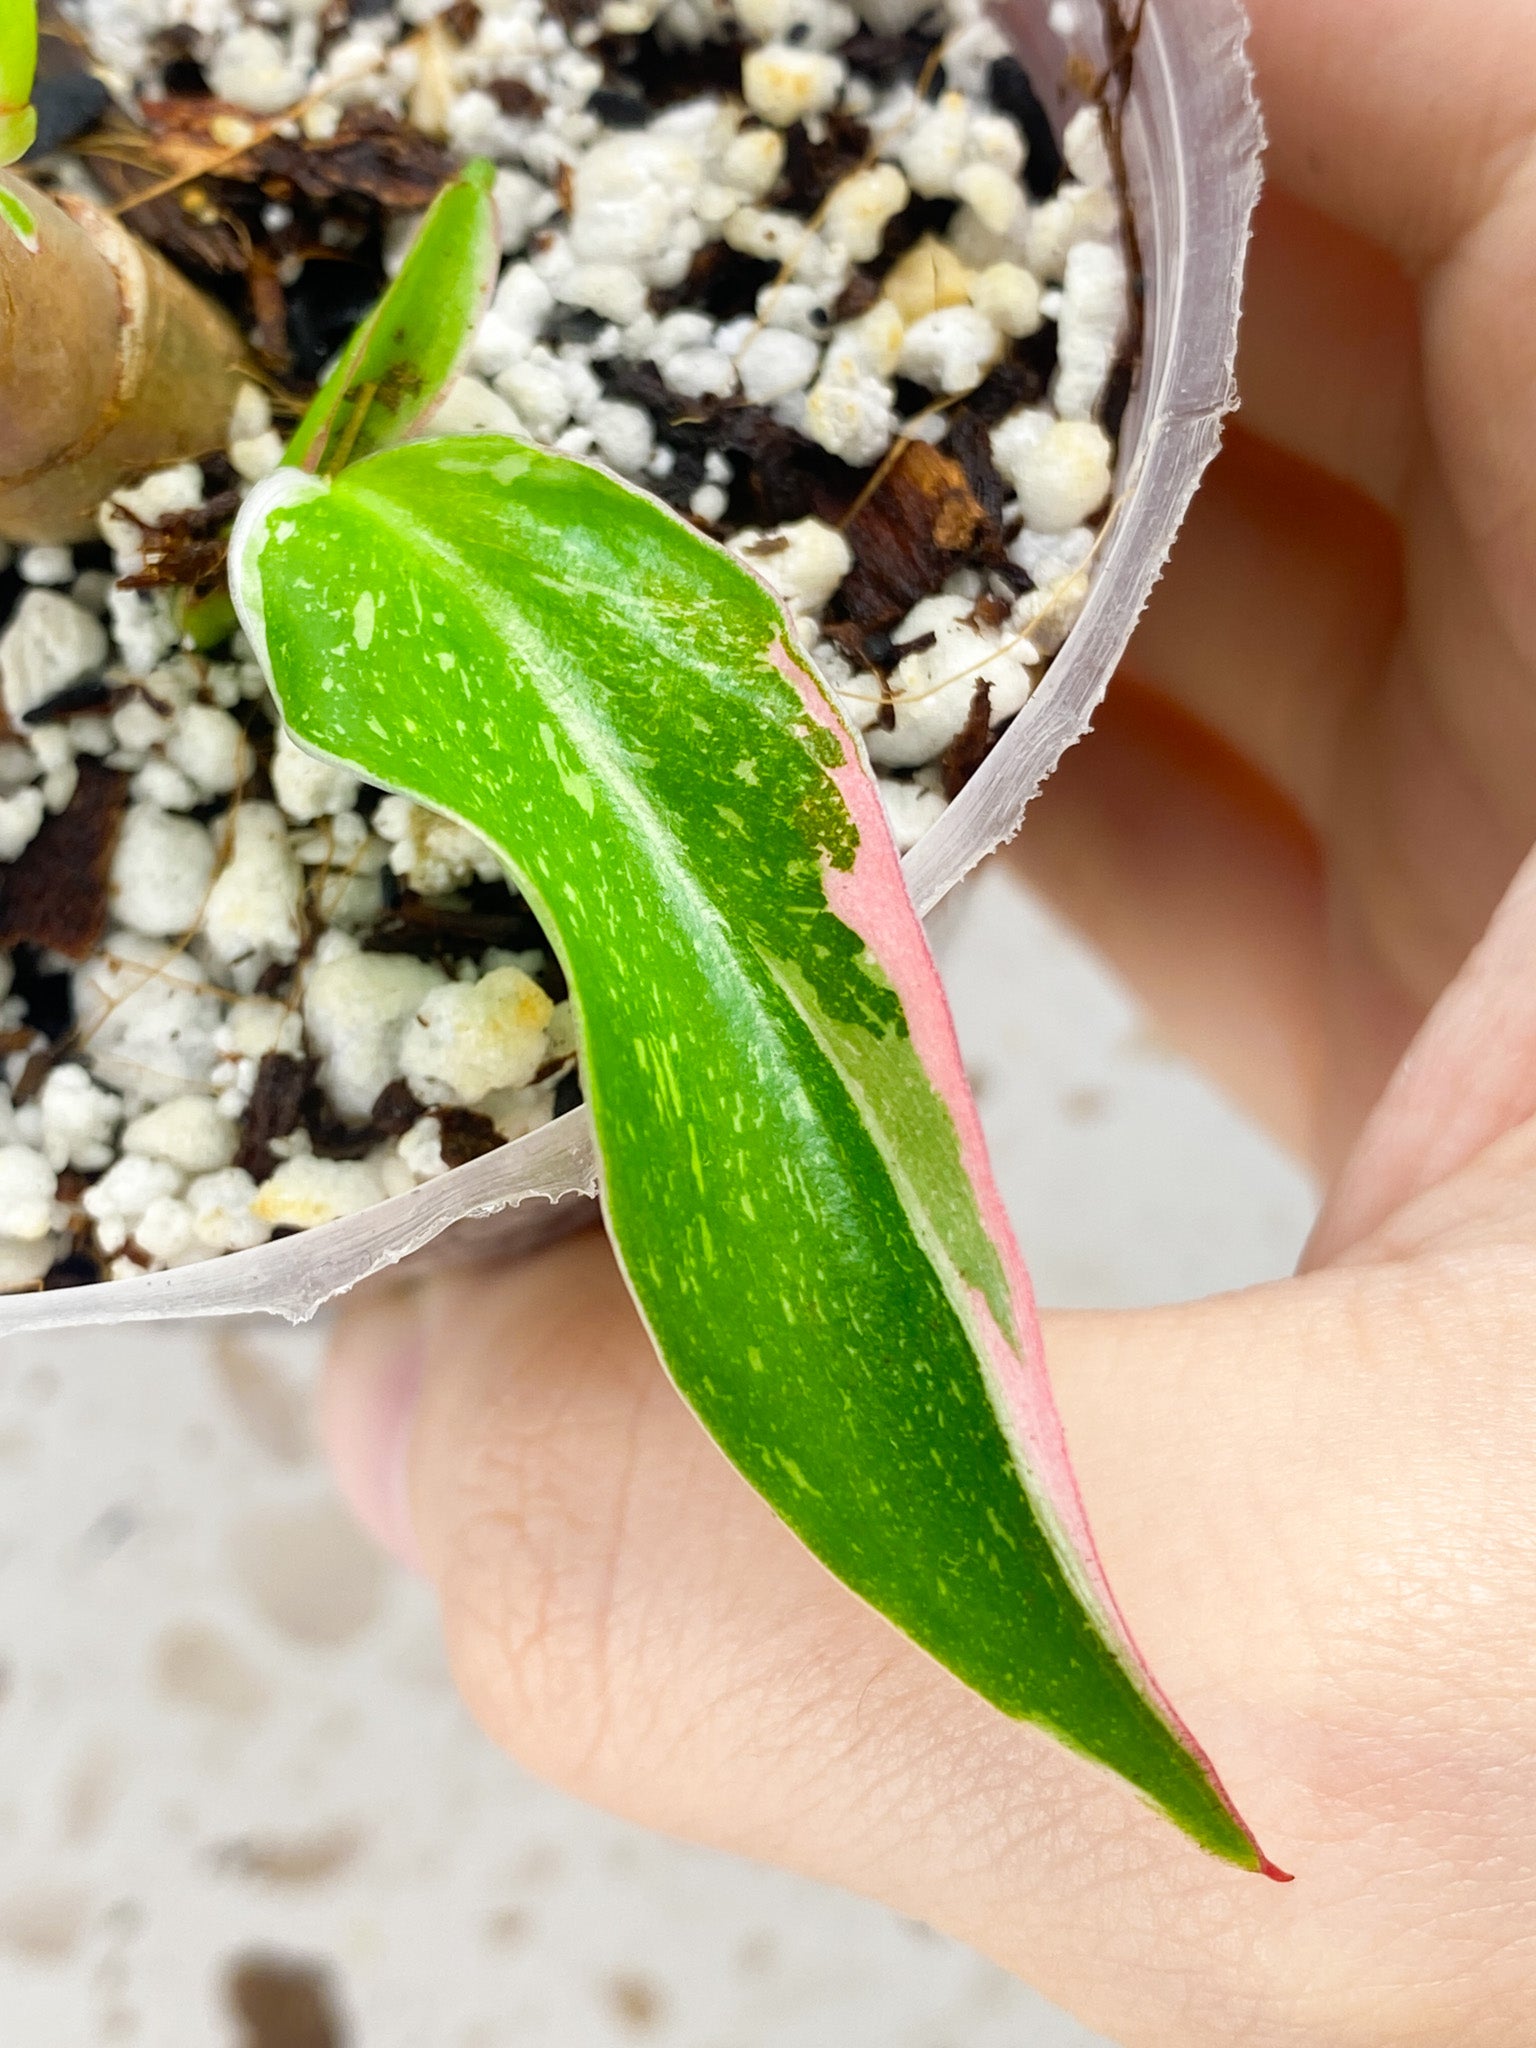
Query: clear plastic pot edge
x,y
1193,144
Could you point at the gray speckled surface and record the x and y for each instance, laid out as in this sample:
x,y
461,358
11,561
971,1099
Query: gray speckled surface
x,y
225,1730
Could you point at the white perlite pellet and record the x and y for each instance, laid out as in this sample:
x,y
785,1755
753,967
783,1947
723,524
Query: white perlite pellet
x,y
210,749
49,566
786,82
467,1040
48,644
910,809
1060,469
124,1194
222,1206
1094,310
161,872
803,562
79,1120
148,1017
305,1192
308,788
28,1184
431,852
773,363
859,210
187,1132
950,350
21,818
252,915
355,1010
23,1265
932,691
253,69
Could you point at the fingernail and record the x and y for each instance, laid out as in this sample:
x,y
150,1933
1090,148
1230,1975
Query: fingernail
x,y
367,1411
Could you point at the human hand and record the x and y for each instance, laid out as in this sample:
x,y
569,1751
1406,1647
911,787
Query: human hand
x,y
1305,799
1312,1499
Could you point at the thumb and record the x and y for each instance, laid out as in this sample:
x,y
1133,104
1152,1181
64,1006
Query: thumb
x,y
1467,1080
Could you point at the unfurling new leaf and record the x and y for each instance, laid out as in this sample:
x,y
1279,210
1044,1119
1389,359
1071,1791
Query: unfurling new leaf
x,y
402,359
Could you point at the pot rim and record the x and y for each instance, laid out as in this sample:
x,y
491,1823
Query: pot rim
x,y
1194,140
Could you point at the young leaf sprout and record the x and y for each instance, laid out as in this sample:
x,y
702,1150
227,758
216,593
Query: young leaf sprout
x,y
18,117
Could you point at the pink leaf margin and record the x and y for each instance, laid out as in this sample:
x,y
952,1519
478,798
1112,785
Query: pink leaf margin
x,y
871,899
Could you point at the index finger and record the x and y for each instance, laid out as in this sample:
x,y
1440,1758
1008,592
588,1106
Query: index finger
x,y
1401,119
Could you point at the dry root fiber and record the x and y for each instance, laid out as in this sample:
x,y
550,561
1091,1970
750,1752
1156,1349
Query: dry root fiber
x,y
110,364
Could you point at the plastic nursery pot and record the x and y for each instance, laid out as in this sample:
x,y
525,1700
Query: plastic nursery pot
x,y
1192,139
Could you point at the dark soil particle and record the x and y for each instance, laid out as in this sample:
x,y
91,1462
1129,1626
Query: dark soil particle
x,y
518,100
811,169
174,49
573,323
48,998
720,281
274,1110
922,217
969,441
488,915
873,651
186,547
337,192
280,2002
55,894
1117,394
463,17
887,59
80,1267
395,1110
1013,93
617,109
913,532
331,1135
373,152
971,745
1024,379
323,308
661,75
466,1135
33,1075
185,77
782,475
857,296
88,695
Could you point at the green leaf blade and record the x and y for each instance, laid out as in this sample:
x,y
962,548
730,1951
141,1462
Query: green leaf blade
x,y
792,1171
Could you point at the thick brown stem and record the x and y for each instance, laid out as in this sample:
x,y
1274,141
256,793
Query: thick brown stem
x,y
110,365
